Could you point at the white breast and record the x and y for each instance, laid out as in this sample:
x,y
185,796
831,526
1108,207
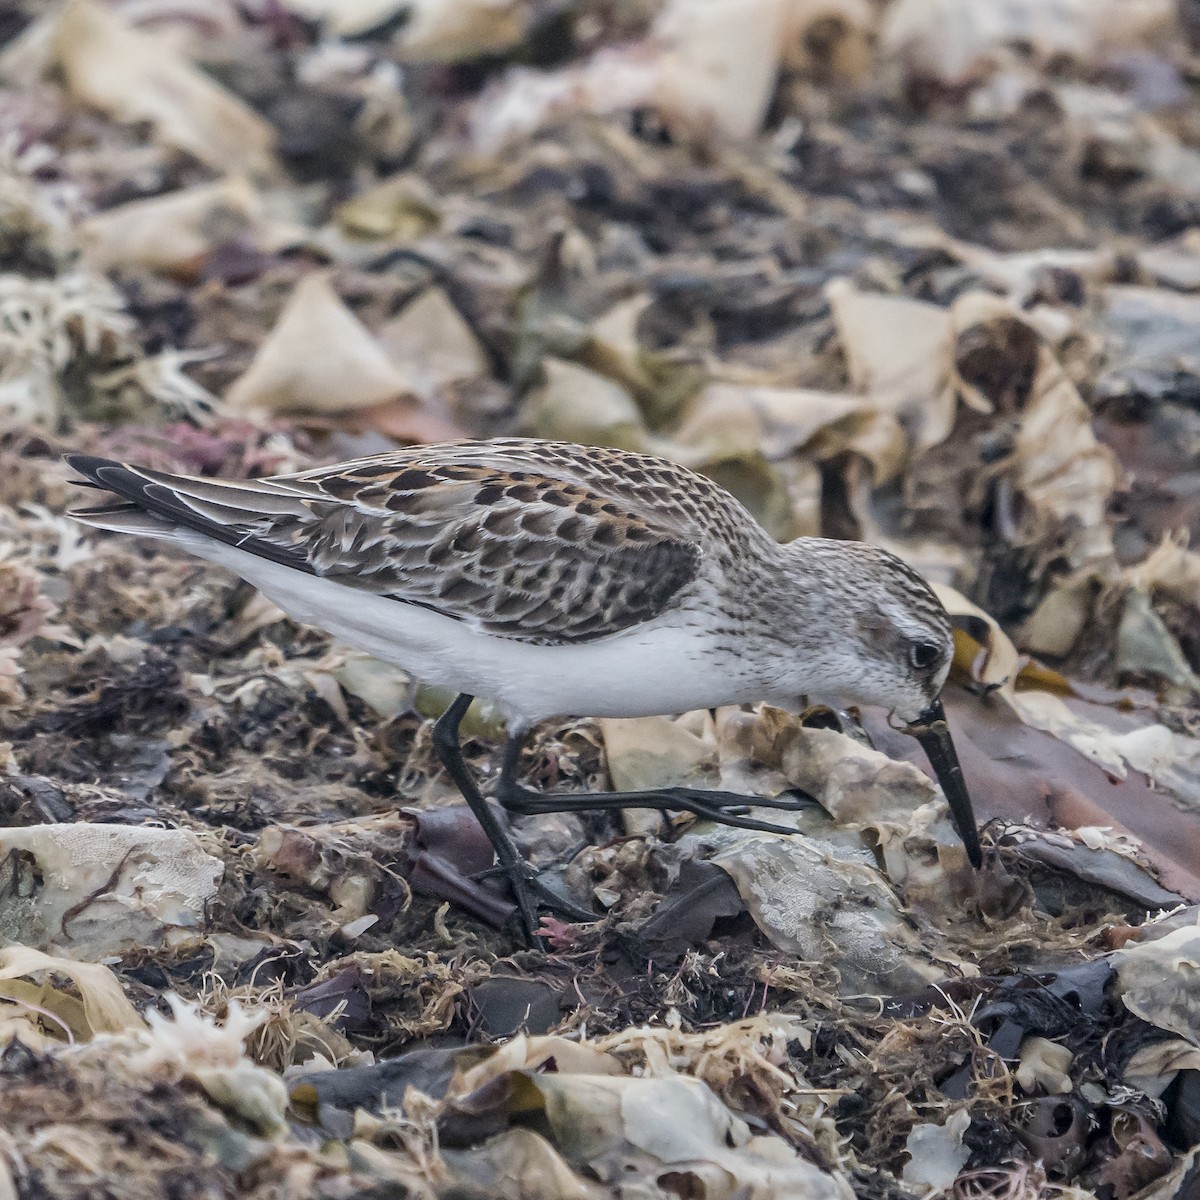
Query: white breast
x,y
665,666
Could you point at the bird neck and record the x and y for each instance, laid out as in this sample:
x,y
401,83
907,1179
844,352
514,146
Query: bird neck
x,y
815,578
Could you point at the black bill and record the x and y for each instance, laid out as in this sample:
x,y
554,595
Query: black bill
x,y
931,730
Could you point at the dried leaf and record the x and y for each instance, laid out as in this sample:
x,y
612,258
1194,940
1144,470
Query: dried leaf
x,y
101,1008
829,36
952,40
612,348
1104,736
105,889
171,232
720,62
782,421
458,30
577,405
990,658
707,66
534,1054
1168,758
347,18
385,688
636,1130
519,1164
400,210
1060,618
134,76
350,371
1152,1069
863,788
1156,980
1170,569
898,353
936,1152
431,344
825,908
654,752
1145,646
1062,468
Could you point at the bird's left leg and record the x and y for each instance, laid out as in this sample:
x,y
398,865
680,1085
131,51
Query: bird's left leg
x,y
714,806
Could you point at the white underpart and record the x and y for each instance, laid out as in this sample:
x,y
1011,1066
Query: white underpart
x,y
661,666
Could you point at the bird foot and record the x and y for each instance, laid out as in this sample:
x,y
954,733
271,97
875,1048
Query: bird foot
x,y
726,808
531,891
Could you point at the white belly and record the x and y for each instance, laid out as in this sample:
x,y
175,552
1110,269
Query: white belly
x,y
656,668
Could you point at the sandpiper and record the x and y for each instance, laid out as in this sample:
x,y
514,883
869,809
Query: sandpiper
x,y
566,580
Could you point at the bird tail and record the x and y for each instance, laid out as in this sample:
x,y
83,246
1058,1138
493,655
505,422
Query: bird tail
x,y
133,515
177,507
124,518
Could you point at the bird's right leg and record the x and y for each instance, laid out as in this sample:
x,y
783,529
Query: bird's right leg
x,y
521,875
449,752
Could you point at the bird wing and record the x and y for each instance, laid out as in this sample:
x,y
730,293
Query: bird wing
x,y
490,540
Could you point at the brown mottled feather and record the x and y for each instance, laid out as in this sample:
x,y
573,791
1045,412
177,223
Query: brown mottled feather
x,y
478,531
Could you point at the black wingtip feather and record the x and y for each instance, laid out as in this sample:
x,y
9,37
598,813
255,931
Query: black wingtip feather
x,y
112,476
88,465
155,497
105,510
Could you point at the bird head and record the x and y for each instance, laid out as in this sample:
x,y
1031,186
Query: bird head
x,y
884,638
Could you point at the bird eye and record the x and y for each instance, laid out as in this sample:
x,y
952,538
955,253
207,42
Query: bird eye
x,y
923,655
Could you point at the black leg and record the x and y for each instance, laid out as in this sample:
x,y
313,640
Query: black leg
x,y
716,806
449,752
521,876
